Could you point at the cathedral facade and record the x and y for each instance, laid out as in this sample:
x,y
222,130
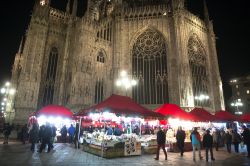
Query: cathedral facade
x,y
75,61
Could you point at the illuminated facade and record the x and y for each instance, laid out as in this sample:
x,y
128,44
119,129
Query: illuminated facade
x,y
73,61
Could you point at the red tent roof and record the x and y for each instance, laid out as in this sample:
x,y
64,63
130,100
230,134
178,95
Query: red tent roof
x,y
174,111
225,116
245,117
202,114
122,105
55,110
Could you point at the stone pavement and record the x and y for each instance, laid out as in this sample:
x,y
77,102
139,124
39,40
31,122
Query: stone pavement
x,y
17,154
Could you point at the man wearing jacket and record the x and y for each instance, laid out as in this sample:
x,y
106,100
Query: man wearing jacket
x,y
161,141
208,144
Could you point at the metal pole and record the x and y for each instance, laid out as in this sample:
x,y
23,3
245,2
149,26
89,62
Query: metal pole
x,y
79,130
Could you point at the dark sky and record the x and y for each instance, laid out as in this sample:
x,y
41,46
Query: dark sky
x,y
231,25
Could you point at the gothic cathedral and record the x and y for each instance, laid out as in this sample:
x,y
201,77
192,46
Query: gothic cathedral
x,y
75,61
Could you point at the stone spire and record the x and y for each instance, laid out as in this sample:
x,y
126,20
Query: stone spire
x,y
206,14
20,47
74,10
68,6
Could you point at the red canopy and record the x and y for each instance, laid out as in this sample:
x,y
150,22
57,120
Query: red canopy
x,y
120,105
55,110
225,116
202,114
245,117
174,111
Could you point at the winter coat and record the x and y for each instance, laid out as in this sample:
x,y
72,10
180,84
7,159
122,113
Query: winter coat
x,y
236,137
246,136
195,138
180,136
161,137
71,130
228,138
47,133
34,132
207,140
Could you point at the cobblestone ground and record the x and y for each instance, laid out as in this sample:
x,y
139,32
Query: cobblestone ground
x,y
66,155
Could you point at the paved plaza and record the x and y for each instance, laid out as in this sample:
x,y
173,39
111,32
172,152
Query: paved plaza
x,y
17,154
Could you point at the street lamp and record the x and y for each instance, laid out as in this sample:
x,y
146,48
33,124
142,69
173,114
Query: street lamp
x,y
7,93
125,82
237,103
201,98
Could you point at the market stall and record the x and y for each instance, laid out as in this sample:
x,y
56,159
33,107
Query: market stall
x,y
118,113
55,115
176,117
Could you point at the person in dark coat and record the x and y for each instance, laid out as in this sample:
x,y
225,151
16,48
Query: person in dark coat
x,y
71,132
161,141
228,139
41,133
236,139
53,135
64,134
180,138
246,138
34,132
46,138
117,131
25,134
208,144
6,131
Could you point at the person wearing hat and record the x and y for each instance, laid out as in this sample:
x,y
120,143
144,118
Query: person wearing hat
x,y
208,144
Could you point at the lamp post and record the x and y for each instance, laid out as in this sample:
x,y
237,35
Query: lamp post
x,y
237,103
125,82
201,98
7,93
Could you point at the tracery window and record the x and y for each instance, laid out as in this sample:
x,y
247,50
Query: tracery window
x,y
50,77
100,57
149,67
99,91
198,68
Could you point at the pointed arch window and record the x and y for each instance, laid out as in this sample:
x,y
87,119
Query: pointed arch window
x,y
100,57
149,67
198,68
99,91
50,77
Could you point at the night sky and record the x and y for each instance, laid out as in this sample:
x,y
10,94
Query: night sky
x,y
231,25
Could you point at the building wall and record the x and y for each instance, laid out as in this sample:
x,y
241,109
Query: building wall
x,y
80,40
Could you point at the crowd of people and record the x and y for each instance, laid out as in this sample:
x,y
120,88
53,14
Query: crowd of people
x,y
206,141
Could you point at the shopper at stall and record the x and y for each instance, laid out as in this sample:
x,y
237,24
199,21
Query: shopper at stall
x,y
228,140
109,130
46,138
246,138
180,138
33,136
196,142
63,134
208,144
236,139
161,141
71,132
117,131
